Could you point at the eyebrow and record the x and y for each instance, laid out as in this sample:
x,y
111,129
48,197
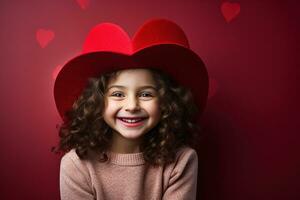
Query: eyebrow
x,y
142,87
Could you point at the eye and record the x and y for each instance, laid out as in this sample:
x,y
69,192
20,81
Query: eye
x,y
116,94
146,94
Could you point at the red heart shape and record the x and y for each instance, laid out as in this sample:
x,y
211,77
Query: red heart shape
x,y
44,37
84,4
230,10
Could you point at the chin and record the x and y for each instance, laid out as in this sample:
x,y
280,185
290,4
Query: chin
x,y
130,135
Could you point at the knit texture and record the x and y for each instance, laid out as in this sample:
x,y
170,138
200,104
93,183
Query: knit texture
x,y
128,177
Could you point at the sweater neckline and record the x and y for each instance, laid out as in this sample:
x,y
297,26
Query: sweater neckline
x,y
126,159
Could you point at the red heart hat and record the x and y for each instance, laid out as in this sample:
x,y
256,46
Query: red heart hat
x,y
159,43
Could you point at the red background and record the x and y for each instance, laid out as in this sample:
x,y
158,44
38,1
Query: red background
x,y
250,149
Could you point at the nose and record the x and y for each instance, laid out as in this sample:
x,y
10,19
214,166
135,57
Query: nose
x,y
132,104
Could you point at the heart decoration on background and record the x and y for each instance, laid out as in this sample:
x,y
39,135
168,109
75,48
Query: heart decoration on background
x,y
230,10
84,4
44,36
213,87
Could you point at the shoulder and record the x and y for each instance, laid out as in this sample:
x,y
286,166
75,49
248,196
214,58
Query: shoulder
x,y
74,172
70,156
186,153
186,159
185,164
182,175
71,161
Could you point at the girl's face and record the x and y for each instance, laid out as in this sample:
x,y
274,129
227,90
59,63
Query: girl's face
x,y
131,106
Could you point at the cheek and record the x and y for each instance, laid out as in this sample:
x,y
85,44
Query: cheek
x,y
154,110
110,109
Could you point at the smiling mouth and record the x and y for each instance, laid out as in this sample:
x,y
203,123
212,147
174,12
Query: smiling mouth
x,y
131,120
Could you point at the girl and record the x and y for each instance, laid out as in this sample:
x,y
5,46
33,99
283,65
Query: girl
x,y
129,133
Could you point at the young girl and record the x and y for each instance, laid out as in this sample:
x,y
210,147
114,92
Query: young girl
x,y
129,133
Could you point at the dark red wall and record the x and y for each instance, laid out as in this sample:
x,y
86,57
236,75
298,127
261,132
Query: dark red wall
x,y
250,148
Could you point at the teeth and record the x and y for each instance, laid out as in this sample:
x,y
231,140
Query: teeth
x,y
131,120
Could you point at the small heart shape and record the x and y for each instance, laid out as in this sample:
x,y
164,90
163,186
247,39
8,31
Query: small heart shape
x,y
84,4
230,10
44,36
56,71
213,87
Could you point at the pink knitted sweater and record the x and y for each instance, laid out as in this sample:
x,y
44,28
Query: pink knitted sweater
x,y
127,177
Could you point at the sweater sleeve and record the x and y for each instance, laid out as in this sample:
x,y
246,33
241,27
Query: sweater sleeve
x,y
74,184
183,180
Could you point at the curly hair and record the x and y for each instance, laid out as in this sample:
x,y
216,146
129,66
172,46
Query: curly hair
x,y
86,129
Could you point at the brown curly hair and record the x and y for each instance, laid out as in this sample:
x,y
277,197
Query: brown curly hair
x,y
86,129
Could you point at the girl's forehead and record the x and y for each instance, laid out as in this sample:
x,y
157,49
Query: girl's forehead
x,y
133,76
